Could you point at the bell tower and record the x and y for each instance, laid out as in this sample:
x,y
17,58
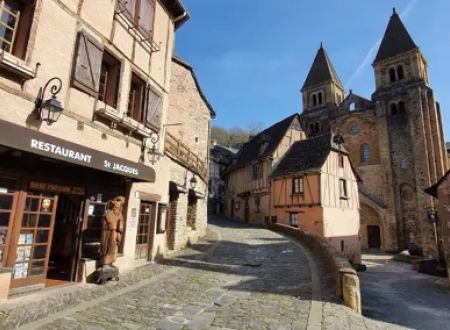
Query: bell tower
x,y
322,91
411,136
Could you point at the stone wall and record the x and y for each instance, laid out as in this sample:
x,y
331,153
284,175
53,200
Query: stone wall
x,y
347,281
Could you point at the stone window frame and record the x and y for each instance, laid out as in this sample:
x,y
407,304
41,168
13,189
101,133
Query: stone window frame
x,y
341,160
343,189
354,128
317,98
365,153
404,163
396,73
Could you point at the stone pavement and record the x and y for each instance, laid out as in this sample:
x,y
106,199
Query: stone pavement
x,y
392,291
251,278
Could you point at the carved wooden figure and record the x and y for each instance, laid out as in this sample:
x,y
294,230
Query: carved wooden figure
x,y
112,232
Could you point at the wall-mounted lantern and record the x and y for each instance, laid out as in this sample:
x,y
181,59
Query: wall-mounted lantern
x,y
193,182
153,153
49,110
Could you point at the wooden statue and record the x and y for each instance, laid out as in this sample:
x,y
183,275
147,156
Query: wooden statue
x,y
112,232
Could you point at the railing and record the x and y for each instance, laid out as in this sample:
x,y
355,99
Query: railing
x,y
181,153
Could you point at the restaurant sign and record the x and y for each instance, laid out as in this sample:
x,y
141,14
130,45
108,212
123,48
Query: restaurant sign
x,y
25,139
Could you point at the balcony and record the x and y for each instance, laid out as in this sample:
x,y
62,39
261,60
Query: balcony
x,y
181,153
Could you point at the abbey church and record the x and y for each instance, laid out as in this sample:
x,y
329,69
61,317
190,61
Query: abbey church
x,y
395,141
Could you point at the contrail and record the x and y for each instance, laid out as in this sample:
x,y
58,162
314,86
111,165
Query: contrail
x,y
369,55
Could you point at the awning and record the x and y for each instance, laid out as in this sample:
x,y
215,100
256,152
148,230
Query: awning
x,y
176,188
196,194
25,139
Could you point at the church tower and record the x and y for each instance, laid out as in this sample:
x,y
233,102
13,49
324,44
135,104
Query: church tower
x,y
322,91
411,136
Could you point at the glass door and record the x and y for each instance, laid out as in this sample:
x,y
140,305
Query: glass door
x,y
143,231
32,239
8,203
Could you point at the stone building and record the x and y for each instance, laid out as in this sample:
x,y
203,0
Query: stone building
x,y
220,158
248,177
314,188
103,133
441,191
395,140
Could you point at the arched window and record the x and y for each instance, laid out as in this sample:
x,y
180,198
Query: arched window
x,y
401,107
392,74
352,106
317,128
400,74
314,100
394,109
365,153
320,97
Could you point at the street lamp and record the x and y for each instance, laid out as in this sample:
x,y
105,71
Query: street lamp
x,y
152,152
49,110
193,182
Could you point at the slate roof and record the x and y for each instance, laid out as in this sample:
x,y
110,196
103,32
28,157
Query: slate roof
x,y
306,155
396,40
322,70
273,135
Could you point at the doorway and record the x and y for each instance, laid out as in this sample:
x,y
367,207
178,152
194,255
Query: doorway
x,y
145,231
62,265
373,237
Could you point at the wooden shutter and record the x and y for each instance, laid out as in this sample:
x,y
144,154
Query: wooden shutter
x,y
146,16
153,111
87,66
130,8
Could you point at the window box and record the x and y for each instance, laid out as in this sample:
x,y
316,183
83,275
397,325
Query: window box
x,y
16,66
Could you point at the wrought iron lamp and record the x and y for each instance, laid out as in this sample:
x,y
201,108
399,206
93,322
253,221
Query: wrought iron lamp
x,y
152,152
193,182
49,110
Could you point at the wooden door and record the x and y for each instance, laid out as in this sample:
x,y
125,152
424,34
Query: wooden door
x,y
32,239
373,237
145,231
8,206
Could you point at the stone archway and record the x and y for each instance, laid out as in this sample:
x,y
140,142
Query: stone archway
x,y
371,232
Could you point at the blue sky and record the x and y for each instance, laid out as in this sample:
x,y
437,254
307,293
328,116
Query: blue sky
x,y
251,57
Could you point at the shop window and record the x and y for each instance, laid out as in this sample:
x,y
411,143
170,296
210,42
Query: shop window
x,y
15,23
161,219
341,160
109,80
293,219
136,101
297,185
343,188
365,153
141,13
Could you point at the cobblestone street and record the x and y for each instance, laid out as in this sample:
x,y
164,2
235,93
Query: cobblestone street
x,y
251,279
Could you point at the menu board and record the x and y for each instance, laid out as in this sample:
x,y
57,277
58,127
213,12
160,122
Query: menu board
x,y
23,255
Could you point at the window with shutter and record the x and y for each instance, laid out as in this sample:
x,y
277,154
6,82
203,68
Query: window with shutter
x,y
130,8
146,16
87,66
153,109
